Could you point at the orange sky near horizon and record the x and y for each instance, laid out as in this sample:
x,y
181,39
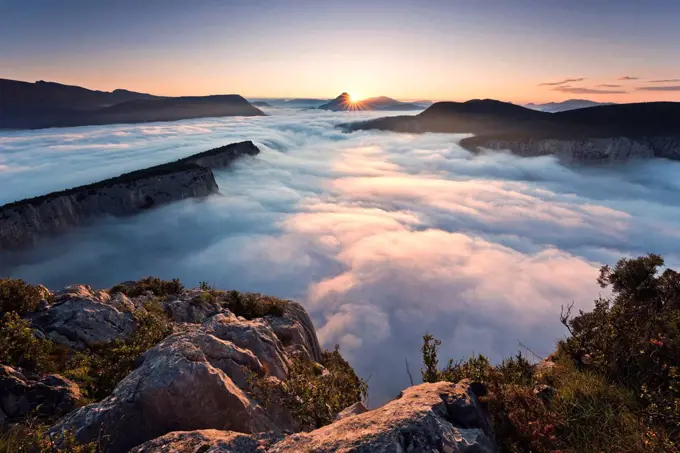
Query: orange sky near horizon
x,y
518,51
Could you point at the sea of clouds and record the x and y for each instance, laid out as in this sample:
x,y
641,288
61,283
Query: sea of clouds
x,y
381,236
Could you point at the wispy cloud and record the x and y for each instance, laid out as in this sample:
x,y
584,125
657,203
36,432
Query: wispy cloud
x,y
586,90
660,88
561,82
665,81
609,85
629,78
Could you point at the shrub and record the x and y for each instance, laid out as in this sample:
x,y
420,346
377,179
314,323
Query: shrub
x,y
205,286
158,287
98,369
31,437
20,347
585,413
251,305
19,296
314,394
633,337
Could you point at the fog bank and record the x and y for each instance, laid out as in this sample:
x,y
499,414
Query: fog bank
x,y
381,236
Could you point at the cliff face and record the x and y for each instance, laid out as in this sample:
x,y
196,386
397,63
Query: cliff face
x,y
24,222
593,150
597,134
23,225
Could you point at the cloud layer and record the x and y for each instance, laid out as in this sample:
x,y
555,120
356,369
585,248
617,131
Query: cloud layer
x,y
381,236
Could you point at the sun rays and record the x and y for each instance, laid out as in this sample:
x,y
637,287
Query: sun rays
x,y
353,102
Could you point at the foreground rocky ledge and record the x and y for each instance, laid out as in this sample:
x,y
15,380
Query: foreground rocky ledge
x,y
440,417
22,223
232,372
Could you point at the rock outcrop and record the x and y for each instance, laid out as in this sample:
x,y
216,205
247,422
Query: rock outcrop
x,y
23,223
206,441
81,316
51,395
192,380
211,385
440,417
296,332
355,409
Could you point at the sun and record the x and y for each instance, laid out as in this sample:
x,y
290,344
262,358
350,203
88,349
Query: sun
x,y
354,98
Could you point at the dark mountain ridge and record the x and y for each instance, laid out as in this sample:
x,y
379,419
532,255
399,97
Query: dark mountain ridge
x,y
650,129
48,104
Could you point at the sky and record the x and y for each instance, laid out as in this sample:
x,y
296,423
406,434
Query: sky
x,y
381,236
518,51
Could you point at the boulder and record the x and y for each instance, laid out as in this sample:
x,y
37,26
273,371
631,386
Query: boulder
x,y
440,417
192,380
355,409
254,335
205,441
52,395
296,331
192,306
82,317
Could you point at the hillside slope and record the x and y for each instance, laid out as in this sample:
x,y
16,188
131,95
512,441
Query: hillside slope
x,y
47,104
594,134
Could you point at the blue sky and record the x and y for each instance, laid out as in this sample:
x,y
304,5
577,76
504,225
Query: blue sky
x,y
439,49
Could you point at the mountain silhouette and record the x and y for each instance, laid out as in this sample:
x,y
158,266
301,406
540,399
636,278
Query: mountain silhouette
x,y
48,104
345,103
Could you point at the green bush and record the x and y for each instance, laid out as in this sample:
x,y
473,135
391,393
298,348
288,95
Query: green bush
x,y
31,437
20,347
251,305
98,369
314,394
18,296
583,414
633,337
158,287
616,382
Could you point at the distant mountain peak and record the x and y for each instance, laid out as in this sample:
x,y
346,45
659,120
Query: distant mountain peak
x,y
344,102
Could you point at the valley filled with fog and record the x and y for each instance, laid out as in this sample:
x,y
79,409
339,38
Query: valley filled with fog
x,y
381,236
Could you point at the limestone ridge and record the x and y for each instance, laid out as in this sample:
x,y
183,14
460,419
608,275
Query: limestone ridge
x,y
22,223
583,151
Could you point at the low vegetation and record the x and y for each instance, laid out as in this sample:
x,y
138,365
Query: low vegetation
x,y
18,296
313,394
31,437
20,347
96,370
612,386
159,288
251,305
